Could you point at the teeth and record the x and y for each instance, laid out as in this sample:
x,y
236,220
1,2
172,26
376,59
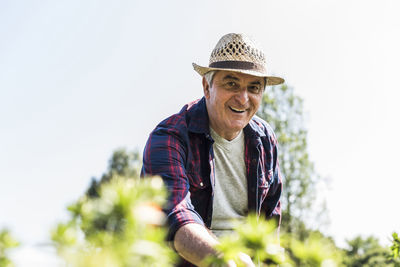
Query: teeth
x,y
237,110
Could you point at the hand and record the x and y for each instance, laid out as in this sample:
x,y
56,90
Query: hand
x,y
243,258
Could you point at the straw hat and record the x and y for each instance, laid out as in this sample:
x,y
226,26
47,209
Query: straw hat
x,y
238,53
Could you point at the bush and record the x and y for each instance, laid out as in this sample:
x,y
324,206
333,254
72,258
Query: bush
x,y
123,225
120,227
6,242
259,239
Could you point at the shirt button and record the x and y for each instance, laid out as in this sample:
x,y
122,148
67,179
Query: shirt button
x,y
201,183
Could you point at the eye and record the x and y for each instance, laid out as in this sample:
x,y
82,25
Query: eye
x,y
231,85
255,89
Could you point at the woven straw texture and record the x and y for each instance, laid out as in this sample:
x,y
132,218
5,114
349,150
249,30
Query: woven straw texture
x,y
237,47
238,53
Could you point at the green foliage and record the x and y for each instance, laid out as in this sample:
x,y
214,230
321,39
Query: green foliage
x,y
122,163
283,110
255,237
315,250
6,242
395,247
368,252
258,238
120,227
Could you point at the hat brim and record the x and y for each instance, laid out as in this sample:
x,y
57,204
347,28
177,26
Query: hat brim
x,y
271,80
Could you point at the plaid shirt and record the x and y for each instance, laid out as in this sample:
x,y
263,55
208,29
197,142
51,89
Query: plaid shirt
x,y
180,151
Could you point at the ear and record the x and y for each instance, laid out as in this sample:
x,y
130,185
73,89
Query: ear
x,y
206,88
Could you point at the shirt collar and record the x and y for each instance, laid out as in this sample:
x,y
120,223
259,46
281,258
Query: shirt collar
x,y
198,117
255,128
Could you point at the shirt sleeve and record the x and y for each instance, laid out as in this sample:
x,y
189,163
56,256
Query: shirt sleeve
x,y
165,155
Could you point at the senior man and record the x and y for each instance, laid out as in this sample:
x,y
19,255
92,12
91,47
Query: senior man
x,y
218,160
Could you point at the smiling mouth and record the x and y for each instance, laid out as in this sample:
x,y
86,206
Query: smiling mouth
x,y
237,110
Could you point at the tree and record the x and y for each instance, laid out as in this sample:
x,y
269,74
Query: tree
x,y
368,252
283,110
123,163
6,242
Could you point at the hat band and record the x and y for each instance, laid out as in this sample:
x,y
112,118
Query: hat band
x,y
242,65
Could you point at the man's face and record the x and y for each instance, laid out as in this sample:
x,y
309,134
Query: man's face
x,y
232,100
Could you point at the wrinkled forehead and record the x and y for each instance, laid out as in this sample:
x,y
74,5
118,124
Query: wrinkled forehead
x,y
240,77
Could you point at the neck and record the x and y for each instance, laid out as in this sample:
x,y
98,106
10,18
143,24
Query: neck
x,y
224,134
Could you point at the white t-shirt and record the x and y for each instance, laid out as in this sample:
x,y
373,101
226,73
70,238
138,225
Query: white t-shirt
x,y
230,191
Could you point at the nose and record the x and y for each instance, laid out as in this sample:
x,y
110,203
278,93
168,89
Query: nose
x,y
242,96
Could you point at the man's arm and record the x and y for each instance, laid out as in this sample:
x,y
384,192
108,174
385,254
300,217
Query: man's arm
x,y
194,243
165,155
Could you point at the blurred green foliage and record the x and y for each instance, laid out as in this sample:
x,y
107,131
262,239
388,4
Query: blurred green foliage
x,y
368,252
315,250
119,227
395,247
259,239
256,237
122,225
7,241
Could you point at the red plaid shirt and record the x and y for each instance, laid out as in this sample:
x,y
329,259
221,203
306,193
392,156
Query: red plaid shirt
x,y
180,151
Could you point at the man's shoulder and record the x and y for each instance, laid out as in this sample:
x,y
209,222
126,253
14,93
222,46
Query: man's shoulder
x,y
262,127
183,120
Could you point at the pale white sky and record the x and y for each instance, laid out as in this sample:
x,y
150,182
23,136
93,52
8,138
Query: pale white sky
x,y
79,79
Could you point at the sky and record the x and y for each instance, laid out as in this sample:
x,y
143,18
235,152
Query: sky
x,y
79,79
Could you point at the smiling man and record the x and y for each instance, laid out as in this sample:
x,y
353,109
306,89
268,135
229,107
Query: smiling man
x,y
218,160
232,100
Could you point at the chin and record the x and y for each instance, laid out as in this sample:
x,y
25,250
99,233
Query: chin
x,y
237,127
